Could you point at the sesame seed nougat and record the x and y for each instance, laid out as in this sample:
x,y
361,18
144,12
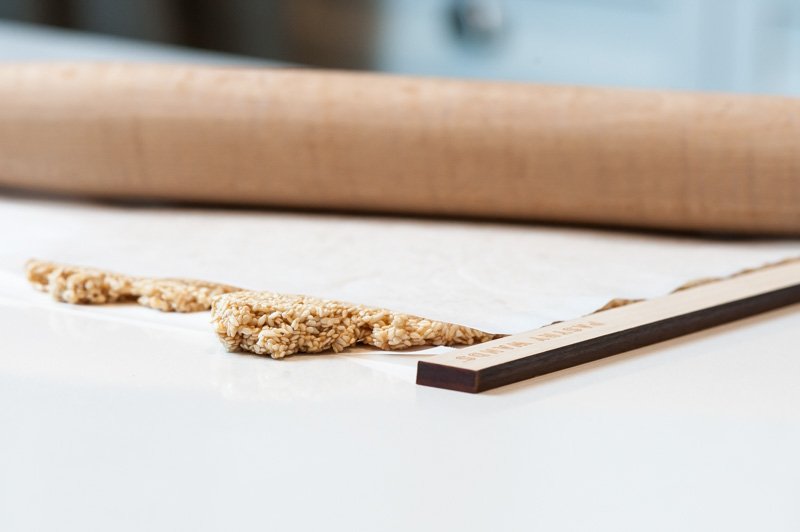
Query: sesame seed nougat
x,y
179,295
278,325
79,284
264,323
90,286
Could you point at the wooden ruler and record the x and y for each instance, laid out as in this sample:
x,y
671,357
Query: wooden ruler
x,y
570,343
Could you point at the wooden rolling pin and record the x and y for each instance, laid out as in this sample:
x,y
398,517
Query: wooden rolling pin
x,y
366,142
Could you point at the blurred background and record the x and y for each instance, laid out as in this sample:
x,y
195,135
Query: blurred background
x,y
720,45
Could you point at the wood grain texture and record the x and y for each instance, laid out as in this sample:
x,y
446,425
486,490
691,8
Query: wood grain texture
x,y
571,343
378,143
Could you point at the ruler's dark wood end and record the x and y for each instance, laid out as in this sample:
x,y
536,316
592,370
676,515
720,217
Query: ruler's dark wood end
x,y
438,376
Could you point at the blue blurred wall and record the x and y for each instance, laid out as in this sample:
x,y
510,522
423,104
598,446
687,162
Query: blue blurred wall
x,y
720,45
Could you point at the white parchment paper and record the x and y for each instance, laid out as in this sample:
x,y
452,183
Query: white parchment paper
x,y
497,277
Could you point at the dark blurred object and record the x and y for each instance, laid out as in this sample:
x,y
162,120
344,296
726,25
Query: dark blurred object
x,y
329,33
158,20
479,21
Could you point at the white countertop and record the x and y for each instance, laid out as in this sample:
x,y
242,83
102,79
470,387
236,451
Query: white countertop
x,y
125,418
122,418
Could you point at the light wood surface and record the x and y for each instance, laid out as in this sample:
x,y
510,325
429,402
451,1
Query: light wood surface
x,y
366,142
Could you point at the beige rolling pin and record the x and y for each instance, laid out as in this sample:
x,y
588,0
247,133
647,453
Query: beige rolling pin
x,y
365,142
